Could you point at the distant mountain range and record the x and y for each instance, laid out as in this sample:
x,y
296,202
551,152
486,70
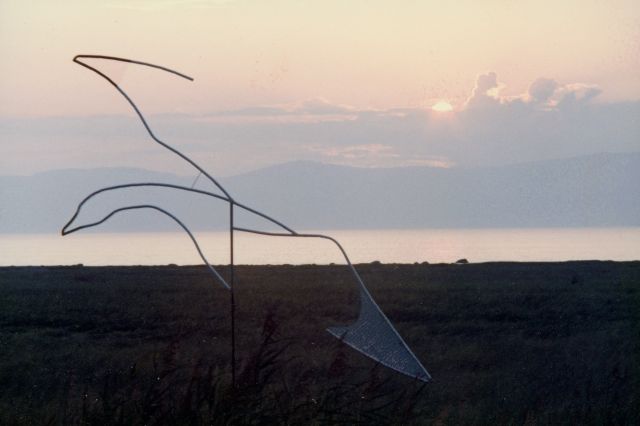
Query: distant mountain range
x,y
599,190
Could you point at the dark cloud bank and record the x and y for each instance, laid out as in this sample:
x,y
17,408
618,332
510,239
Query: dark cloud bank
x,y
550,121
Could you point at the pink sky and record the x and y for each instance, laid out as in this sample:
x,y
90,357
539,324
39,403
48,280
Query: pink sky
x,y
370,54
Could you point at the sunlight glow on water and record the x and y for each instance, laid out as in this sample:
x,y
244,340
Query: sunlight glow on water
x,y
387,246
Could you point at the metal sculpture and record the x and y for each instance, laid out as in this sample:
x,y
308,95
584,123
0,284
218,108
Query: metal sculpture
x,y
372,334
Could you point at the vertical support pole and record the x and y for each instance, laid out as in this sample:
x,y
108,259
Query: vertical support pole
x,y
233,301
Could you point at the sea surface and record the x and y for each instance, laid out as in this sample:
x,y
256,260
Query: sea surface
x,y
387,246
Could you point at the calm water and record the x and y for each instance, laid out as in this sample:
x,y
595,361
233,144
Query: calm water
x,y
402,246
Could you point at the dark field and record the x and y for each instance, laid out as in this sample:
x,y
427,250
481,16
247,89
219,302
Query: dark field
x,y
506,343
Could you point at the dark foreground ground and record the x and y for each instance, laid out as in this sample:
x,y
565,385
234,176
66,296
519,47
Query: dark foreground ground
x,y
506,343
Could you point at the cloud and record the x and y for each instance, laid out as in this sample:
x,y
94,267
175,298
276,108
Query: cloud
x,y
485,93
322,106
435,162
311,110
542,90
370,155
375,155
570,95
550,120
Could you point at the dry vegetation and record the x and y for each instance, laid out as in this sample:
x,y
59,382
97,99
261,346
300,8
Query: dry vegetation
x,y
506,343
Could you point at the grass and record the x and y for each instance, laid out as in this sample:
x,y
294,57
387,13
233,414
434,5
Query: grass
x,y
506,343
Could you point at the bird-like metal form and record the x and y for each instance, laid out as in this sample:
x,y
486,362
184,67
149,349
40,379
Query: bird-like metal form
x,y
372,334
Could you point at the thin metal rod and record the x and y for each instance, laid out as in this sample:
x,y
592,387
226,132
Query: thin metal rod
x,y
149,206
131,61
264,216
193,184
77,60
132,185
233,300
326,237
179,187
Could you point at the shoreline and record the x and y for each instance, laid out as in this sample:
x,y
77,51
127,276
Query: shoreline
x,y
361,264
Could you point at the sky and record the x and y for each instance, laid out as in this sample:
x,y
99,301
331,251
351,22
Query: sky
x,y
362,83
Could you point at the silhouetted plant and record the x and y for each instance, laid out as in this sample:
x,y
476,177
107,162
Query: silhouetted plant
x,y
272,388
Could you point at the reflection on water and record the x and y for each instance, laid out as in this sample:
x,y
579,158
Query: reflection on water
x,y
401,246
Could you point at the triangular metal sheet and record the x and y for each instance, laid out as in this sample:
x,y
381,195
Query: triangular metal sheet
x,y
374,336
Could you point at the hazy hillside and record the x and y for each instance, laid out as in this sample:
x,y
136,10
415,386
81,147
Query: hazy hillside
x,y
599,190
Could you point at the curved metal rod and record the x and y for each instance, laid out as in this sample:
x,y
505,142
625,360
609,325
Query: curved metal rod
x,y
326,237
172,186
131,61
167,146
77,60
150,206
264,216
363,288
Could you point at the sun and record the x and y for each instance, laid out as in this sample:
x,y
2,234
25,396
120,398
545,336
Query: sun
x,y
442,106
